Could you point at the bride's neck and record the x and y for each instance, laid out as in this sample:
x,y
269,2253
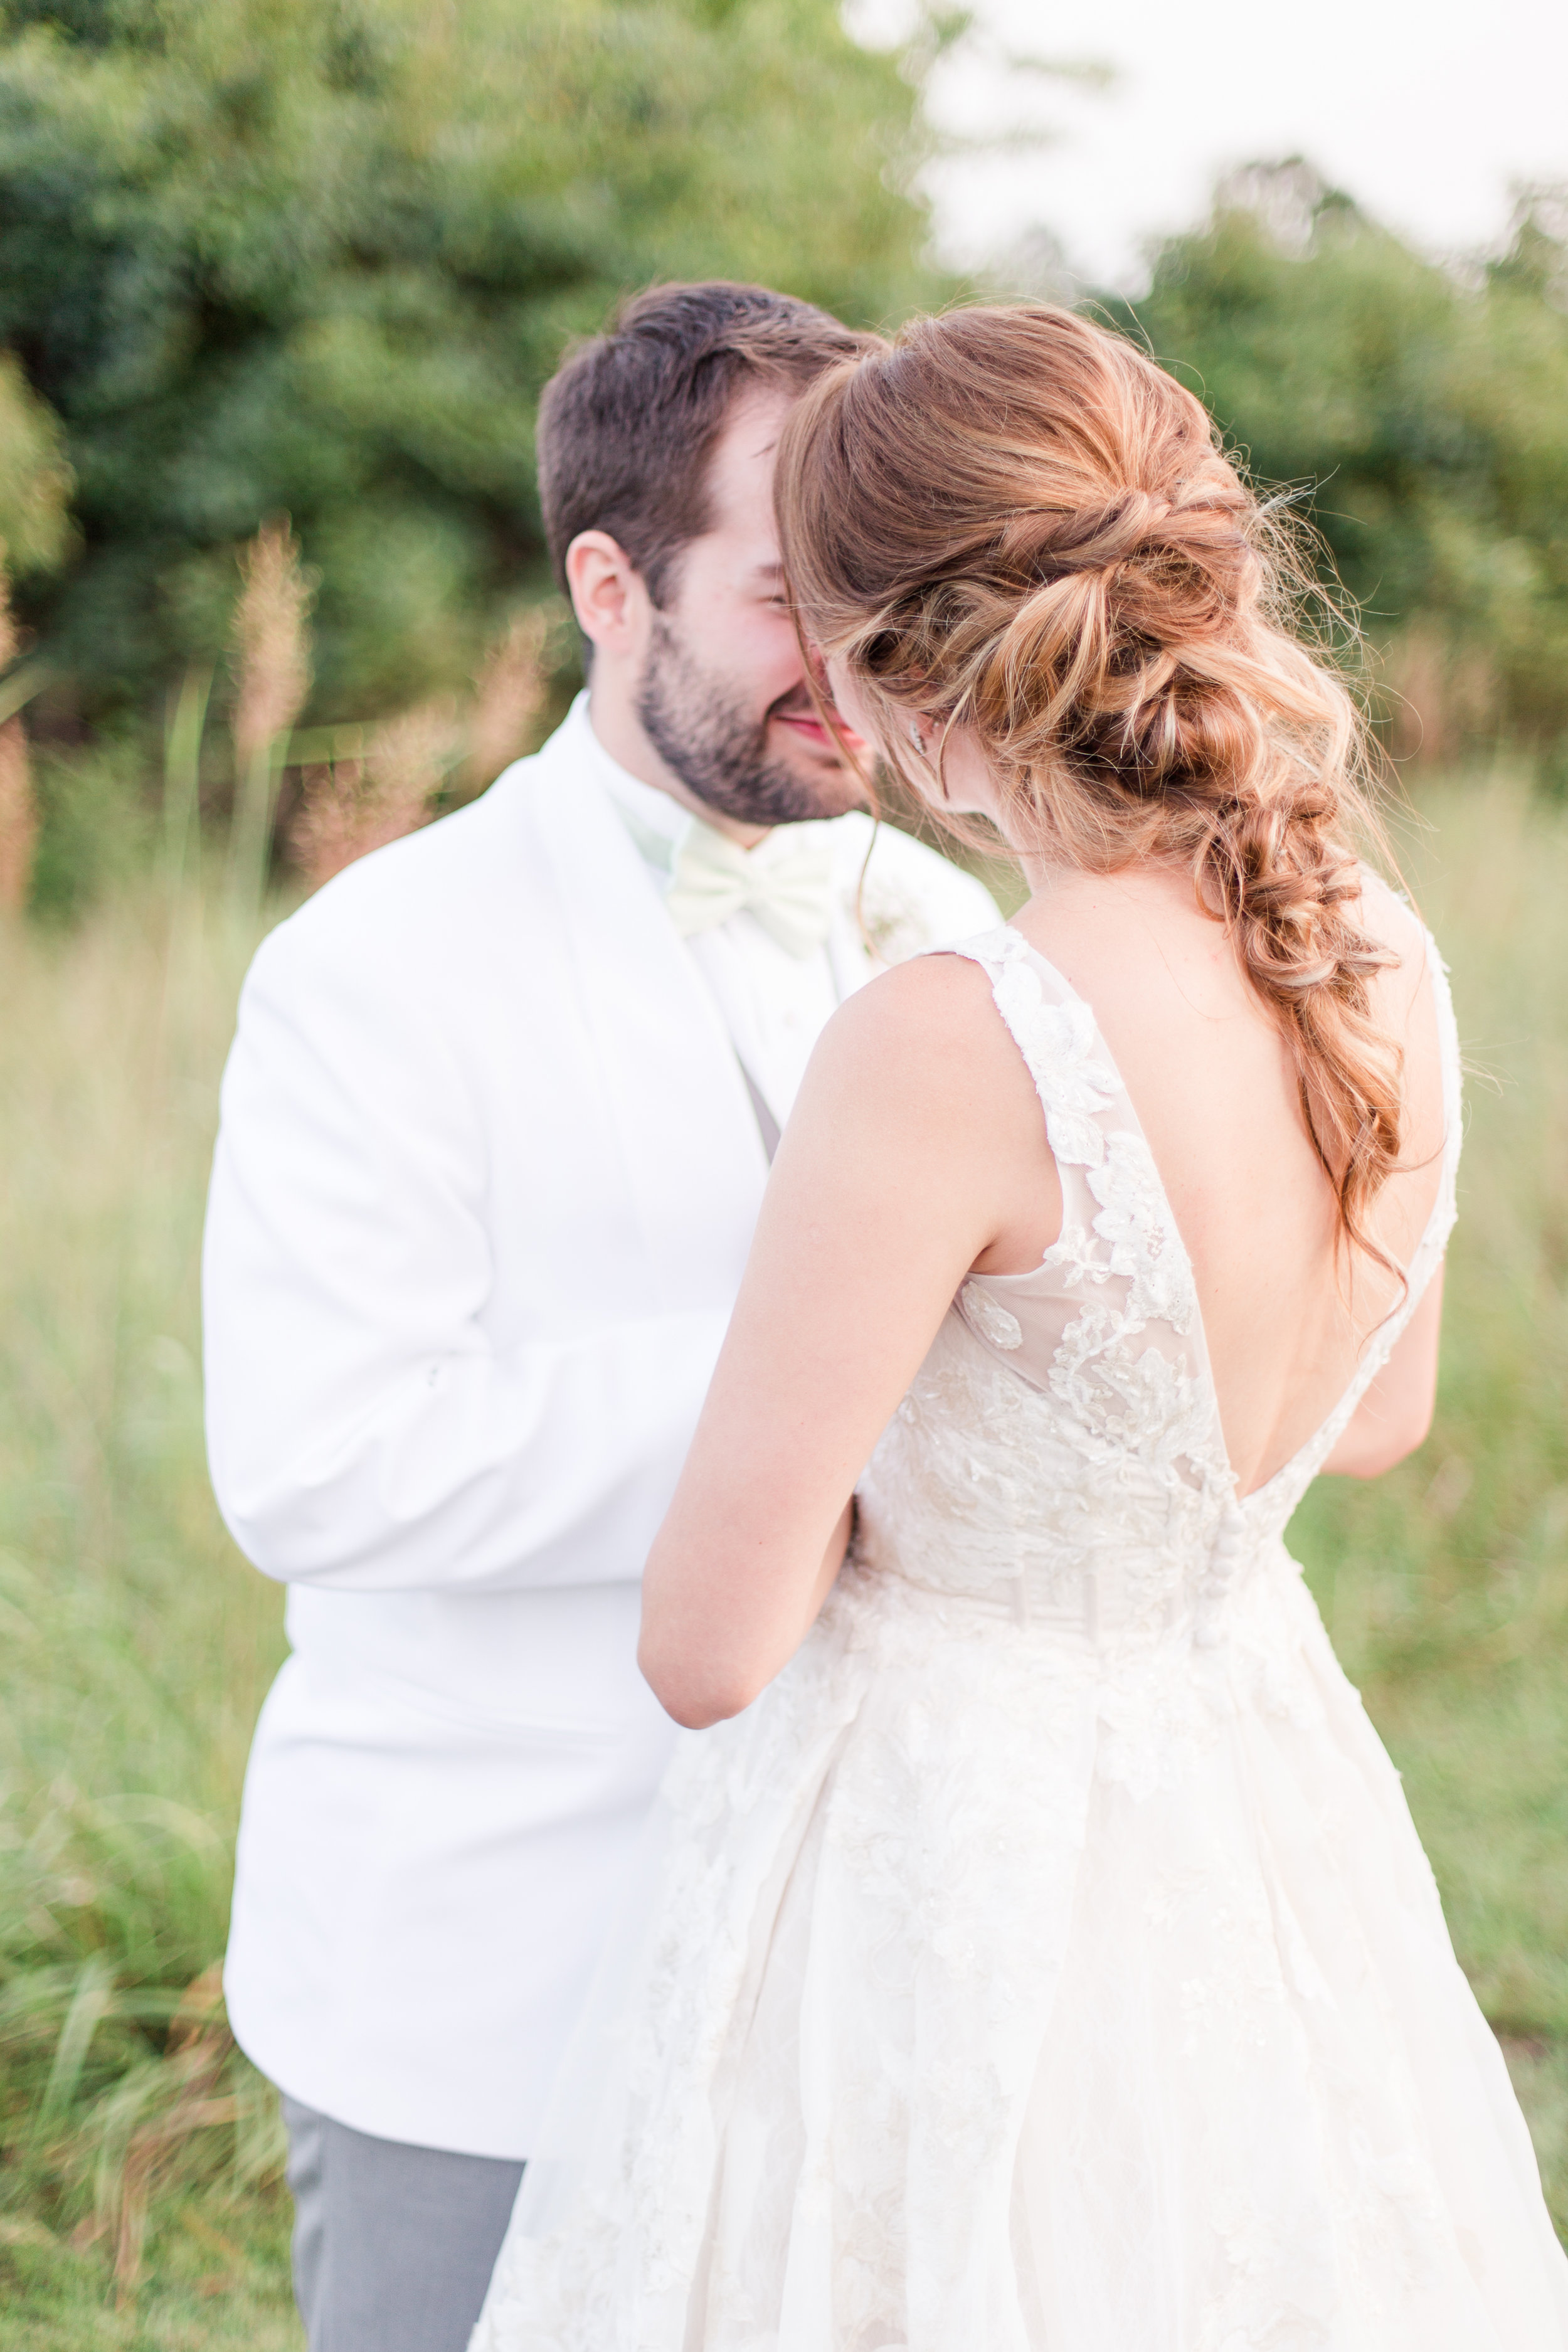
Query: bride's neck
x,y
1054,882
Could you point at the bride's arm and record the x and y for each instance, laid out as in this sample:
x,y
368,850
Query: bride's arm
x,y
1394,1417
900,1164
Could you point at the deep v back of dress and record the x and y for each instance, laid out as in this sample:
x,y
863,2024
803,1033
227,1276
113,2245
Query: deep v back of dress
x,y
1110,1422
1047,1961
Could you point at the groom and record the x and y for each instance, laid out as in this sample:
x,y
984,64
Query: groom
x,y
495,1130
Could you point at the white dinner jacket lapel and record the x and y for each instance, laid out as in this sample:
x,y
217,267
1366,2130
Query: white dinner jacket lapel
x,y
691,1152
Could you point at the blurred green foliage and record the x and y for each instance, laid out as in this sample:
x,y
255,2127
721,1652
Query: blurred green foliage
x,y
1427,408
315,257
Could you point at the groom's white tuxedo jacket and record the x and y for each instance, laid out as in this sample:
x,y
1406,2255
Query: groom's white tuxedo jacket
x,y
486,1180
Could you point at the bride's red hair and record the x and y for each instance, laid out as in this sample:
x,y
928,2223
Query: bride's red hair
x,y
1016,521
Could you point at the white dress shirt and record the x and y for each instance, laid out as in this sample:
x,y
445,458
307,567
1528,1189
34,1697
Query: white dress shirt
x,y
775,1005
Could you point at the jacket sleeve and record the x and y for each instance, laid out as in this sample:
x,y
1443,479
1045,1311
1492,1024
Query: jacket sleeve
x,y
363,1432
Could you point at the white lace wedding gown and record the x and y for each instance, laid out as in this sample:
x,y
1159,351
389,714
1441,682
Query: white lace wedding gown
x,y
1048,1959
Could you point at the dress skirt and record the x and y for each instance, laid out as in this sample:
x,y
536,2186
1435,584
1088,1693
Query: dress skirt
x,y
999,1995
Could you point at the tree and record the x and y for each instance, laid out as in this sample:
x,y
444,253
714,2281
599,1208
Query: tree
x,y
1425,408
315,257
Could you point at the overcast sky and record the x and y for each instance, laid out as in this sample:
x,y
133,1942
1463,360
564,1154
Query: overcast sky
x,y
1426,110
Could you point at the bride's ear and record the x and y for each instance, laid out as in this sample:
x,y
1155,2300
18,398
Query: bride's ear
x,y
927,733
962,772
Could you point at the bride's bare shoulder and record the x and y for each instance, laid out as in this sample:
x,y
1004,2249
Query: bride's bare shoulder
x,y
1401,995
1388,917
932,1005
918,1103
924,1041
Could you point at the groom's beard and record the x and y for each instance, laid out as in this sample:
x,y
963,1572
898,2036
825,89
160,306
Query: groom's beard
x,y
720,753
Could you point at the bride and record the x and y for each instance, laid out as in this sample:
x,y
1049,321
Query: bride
x,y
1040,1953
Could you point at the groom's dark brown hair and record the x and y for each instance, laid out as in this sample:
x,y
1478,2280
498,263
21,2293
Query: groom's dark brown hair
x,y
627,423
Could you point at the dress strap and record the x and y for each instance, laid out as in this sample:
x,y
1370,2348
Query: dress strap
x,y
1444,1209
1061,1046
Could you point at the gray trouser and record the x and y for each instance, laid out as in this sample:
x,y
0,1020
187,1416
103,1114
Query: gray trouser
x,y
394,2246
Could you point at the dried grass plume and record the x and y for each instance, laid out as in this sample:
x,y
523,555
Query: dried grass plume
x,y
508,695
357,805
18,809
271,637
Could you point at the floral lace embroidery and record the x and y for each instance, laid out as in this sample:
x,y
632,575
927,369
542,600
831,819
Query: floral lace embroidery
x,y
990,1317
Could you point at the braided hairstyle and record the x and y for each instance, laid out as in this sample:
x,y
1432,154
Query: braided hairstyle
x,y
1016,521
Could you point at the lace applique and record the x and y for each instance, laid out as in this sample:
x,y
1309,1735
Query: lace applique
x,y
1074,1258
990,1317
1061,1044
1135,1224
1134,1399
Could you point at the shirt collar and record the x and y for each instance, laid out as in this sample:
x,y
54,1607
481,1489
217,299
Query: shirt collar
x,y
658,825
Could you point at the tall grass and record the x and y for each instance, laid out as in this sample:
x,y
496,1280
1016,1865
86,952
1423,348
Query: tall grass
x,y
135,1645
139,2200
1444,1586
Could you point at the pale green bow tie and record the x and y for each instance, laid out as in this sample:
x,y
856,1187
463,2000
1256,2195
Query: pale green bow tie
x,y
787,882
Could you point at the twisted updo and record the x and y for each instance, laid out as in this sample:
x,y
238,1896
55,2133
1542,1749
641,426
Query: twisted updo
x,y
1015,520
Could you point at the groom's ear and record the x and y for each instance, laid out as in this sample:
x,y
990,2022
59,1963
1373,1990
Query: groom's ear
x,y
608,593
